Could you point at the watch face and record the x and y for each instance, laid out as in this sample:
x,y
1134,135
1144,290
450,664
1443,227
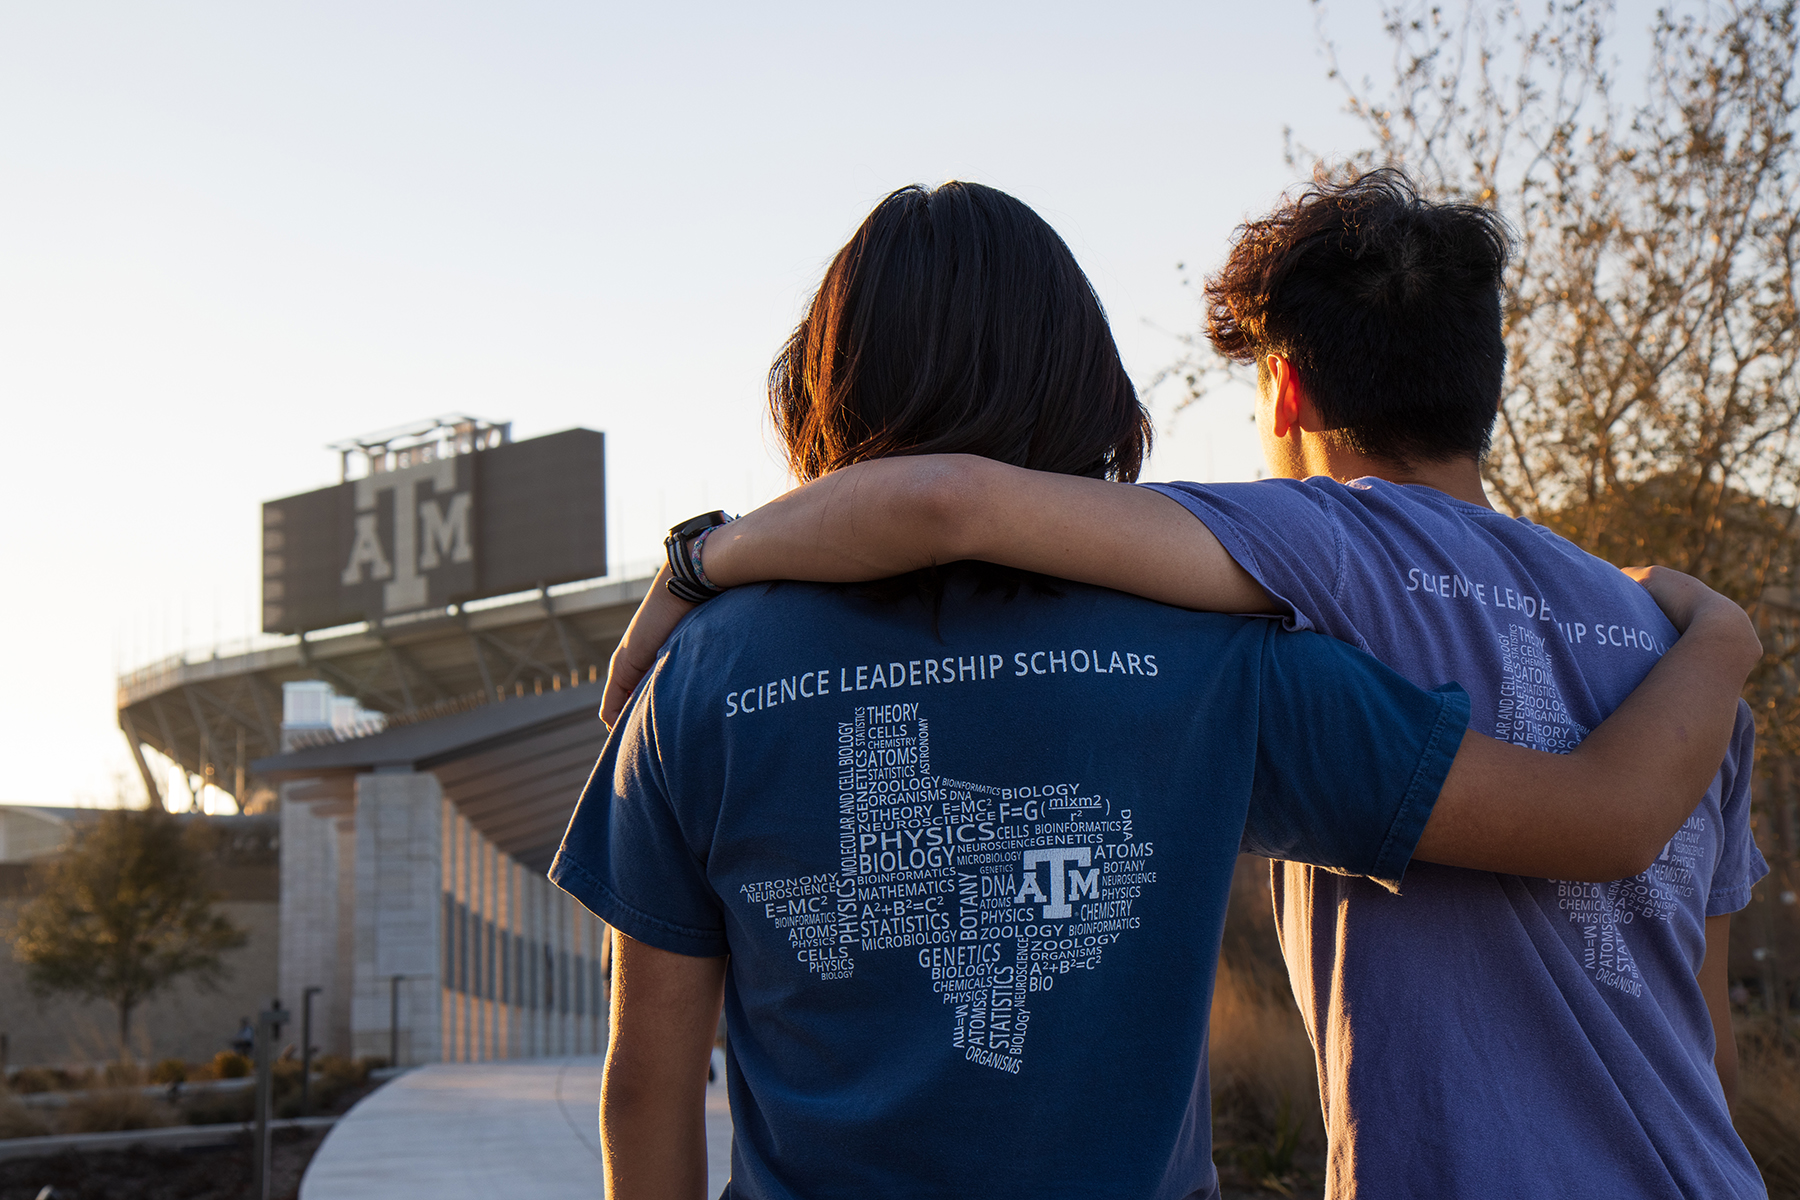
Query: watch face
x,y
694,525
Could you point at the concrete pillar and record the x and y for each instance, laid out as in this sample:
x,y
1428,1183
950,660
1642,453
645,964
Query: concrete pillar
x,y
464,1047
534,995
399,912
315,874
457,1049
484,894
339,1000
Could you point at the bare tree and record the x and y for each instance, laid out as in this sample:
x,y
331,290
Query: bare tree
x,y
123,914
1652,394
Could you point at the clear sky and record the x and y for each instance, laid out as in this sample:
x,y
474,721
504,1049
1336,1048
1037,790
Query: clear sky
x,y
231,234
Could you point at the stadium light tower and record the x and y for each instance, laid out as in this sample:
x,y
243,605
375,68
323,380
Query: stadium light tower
x,y
417,443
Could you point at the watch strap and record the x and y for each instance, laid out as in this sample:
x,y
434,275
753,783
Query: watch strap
x,y
687,581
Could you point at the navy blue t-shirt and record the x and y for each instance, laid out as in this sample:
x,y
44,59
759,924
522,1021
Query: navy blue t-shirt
x,y
971,871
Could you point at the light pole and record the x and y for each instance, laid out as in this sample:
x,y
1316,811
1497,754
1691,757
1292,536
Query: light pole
x,y
268,1028
306,1049
394,982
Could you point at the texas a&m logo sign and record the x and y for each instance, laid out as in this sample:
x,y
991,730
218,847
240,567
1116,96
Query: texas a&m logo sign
x,y
432,526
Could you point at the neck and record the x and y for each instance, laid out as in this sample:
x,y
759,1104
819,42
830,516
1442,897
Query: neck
x,y
1456,477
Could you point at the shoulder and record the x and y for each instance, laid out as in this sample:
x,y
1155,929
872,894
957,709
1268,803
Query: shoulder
x,y
1286,496
756,614
1283,517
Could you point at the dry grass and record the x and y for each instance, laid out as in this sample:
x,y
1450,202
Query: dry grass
x,y
28,1080
18,1121
129,1073
1768,1107
1266,1122
111,1111
219,1108
1259,1047
1265,1091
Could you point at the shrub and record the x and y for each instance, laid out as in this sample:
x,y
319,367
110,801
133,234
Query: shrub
x,y
219,1108
169,1070
337,1076
122,1075
228,1064
336,1070
285,1076
28,1080
110,1111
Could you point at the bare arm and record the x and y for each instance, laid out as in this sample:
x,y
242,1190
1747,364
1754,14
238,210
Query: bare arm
x,y
1606,810
665,1010
894,515
655,619
1715,985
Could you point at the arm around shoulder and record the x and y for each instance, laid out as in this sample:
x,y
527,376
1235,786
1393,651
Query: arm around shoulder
x,y
894,515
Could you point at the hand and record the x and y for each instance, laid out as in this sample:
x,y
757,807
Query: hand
x,y
1686,601
1681,597
656,618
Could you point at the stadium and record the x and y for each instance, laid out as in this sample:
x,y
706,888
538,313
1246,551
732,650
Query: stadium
x,y
421,714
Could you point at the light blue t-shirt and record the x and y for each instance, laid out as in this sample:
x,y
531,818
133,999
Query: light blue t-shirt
x,y
1485,1035
971,866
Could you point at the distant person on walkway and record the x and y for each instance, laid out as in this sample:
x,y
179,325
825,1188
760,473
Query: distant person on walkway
x,y
1481,1034
244,1041
954,851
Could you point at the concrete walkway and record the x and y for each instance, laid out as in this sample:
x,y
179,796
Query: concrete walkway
x,y
473,1131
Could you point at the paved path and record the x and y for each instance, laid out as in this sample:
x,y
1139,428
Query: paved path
x,y
473,1131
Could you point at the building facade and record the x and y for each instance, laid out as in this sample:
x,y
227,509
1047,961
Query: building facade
x,y
413,888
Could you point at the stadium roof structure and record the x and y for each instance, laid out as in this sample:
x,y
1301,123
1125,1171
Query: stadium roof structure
x,y
218,717
514,768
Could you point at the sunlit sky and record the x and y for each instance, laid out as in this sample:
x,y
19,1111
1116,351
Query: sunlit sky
x,y
231,234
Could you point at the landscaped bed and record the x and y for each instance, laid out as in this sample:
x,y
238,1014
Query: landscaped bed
x,y
202,1173
39,1101
44,1102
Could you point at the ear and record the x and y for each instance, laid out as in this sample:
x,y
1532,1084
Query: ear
x,y
1284,391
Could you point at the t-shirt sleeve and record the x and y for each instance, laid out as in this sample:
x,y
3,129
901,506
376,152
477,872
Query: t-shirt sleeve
x,y
1350,758
1284,535
626,855
1740,864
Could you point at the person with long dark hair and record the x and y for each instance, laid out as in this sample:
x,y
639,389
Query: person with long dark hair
x,y
953,852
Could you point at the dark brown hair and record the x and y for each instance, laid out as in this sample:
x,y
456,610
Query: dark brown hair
x,y
957,321
1387,305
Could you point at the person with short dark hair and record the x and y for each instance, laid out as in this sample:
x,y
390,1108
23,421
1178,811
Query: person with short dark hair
x,y
953,851
1385,304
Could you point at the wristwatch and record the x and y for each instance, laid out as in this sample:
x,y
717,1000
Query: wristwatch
x,y
687,581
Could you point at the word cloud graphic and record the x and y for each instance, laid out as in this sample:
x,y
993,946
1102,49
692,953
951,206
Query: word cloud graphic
x,y
1533,713
996,891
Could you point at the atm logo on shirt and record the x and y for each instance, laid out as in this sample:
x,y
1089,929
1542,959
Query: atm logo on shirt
x,y
1068,883
1002,890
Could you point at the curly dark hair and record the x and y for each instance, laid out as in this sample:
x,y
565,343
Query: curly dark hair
x,y
956,321
1386,304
